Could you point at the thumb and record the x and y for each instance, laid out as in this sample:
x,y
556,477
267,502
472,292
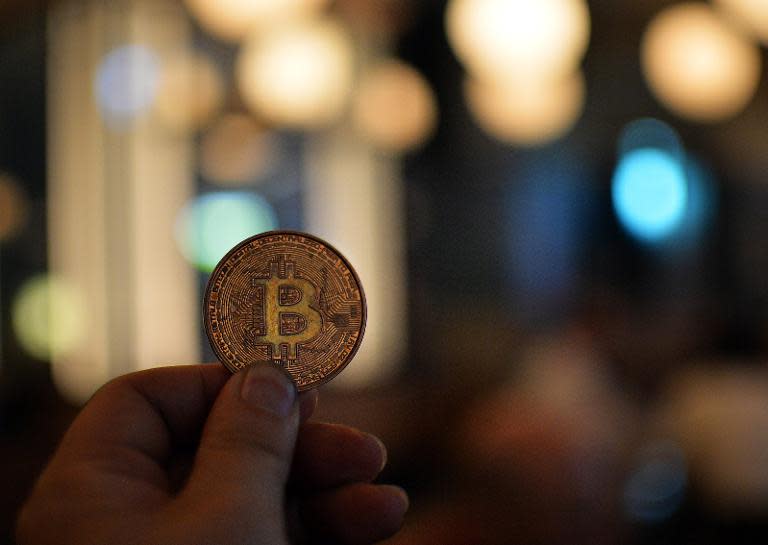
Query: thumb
x,y
247,443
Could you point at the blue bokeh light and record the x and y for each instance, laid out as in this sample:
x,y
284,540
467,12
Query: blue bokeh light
x,y
648,132
650,193
126,82
209,226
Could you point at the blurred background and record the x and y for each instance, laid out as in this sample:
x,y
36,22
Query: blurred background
x,y
558,210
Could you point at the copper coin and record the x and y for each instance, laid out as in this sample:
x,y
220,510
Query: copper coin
x,y
285,298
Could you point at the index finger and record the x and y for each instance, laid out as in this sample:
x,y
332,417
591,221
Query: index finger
x,y
153,411
148,411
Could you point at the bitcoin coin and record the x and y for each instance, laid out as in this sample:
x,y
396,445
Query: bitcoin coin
x,y
286,298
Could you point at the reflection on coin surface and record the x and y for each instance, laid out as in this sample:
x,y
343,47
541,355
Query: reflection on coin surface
x,y
289,299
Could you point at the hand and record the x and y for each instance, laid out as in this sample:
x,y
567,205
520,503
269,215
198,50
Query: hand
x,y
193,456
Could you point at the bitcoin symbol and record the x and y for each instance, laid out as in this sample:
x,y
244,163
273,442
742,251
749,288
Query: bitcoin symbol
x,y
288,319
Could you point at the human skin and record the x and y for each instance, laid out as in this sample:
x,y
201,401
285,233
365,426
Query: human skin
x,y
192,455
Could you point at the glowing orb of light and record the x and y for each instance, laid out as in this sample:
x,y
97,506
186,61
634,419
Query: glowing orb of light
x,y
126,82
518,37
190,92
394,107
751,15
13,207
297,75
526,112
697,65
235,150
648,132
233,20
48,317
650,192
213,223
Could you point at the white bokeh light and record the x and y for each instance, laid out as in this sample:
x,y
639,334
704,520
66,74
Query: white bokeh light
x,y
233,20
518,37
752,15
297,75
697,65
527,112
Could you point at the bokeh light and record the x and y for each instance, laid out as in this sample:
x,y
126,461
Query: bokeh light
x,y
126,82
190,92
527,112
697,209
233,20
650,193
297,75
235,150
656,486
518,37
13,207
213,223
697,65
394,107
648,132
49,316
751,15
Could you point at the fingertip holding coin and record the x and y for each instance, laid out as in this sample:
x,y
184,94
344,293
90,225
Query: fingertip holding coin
x,y
287,299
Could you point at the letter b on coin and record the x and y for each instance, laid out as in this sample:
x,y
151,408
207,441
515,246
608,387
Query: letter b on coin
x,y
283,313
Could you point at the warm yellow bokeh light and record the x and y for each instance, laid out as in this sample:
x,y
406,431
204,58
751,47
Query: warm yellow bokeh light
x,y
48,317
234,19
191,91
697,65
13,207
528,112
752,15
394,107
297,75
518,37
235,151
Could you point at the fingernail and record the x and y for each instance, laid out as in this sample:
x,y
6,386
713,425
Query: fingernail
x,y
267,388
404,498
383,450
401,494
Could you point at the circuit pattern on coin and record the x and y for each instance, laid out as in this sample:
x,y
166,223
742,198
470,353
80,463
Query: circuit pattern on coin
x,y
287,298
